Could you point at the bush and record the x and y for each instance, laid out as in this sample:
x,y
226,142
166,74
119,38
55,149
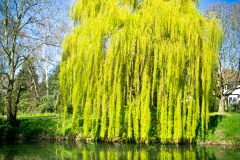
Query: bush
x,y
31,128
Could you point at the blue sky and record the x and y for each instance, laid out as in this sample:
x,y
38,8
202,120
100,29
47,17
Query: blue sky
x,y
205,3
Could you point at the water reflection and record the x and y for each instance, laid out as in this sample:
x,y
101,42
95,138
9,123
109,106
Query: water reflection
x,y
106,151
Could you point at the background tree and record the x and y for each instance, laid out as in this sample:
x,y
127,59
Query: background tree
x,y
134,69
228,57
50,55
50,97
27,81
2,89
20,41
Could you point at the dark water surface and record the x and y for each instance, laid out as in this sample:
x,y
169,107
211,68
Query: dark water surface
x,y
109,151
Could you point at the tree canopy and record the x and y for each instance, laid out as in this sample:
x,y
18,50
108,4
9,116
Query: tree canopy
x,y
134,69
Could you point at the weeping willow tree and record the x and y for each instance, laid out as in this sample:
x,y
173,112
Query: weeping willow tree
x,y
139,68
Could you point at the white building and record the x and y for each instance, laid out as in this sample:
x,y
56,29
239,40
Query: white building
x,y
234,97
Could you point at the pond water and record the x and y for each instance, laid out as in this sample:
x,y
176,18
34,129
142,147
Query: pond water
x,y
110,151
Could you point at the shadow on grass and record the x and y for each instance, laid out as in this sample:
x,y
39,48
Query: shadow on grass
x,y
214,120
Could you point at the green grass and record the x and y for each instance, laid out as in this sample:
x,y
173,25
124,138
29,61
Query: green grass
x,y
34,126
224,129
37,115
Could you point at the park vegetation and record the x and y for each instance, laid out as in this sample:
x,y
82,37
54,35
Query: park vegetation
x,y
132,71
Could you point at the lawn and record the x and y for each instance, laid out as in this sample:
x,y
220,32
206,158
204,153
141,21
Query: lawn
x,y
224,128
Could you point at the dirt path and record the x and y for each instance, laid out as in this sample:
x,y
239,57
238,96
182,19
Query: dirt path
x,y
224,114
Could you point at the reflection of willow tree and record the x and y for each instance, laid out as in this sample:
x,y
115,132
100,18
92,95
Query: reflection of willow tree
x,y
134,66
110,151
129,152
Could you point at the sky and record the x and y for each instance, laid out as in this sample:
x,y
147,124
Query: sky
x,y
205,3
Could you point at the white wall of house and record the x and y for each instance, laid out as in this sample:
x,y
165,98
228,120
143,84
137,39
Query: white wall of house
x,y
235,96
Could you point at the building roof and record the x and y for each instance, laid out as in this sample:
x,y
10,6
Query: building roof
x,y
230,76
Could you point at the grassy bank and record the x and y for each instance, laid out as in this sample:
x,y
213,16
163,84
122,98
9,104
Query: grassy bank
x,y
224,129
37,126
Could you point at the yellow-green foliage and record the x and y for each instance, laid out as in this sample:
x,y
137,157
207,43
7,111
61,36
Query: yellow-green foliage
x,y
129,63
